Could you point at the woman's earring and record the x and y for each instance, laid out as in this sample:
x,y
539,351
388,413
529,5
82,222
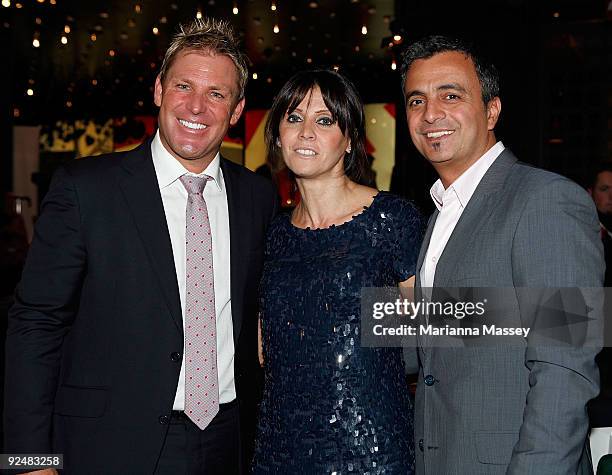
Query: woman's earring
x,y
278,142
349,149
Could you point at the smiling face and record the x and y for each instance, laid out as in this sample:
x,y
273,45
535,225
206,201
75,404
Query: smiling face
x,y
447,119
311,141
198,102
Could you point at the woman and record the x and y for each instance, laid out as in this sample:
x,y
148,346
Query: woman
x,y
330,405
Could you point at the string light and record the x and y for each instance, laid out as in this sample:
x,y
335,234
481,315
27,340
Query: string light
x,y
364,30
93,37
36,43
64,40
18,5
6,3
30,92
38,21
397,38
137,8
52,2
67,29
111,52
273,6
276,29
235,9
155,30
393,65
199,15
255,76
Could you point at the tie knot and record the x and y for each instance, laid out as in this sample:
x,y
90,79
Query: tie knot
x,y
194,184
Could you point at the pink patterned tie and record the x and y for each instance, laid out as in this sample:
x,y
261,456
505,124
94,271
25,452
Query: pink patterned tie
x,y
201,380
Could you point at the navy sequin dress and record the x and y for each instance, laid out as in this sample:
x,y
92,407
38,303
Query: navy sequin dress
x,y
331,406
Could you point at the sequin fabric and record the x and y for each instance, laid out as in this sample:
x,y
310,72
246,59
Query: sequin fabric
x,y
331,406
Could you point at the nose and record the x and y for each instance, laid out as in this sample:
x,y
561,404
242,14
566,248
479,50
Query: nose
x,y
196,103
433,111
307,131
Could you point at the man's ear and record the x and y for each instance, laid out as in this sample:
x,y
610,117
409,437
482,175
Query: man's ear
x,y
493,111
237,112
157,92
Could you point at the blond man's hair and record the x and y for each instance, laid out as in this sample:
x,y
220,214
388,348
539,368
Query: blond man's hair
x,y
212,36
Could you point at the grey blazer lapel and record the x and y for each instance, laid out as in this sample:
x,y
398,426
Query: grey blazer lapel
x,y
424,246
473,217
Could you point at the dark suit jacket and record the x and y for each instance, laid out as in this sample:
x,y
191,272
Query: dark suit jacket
x,y
90,364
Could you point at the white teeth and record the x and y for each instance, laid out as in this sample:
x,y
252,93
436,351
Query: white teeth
x,y
305,151
435,135
192,125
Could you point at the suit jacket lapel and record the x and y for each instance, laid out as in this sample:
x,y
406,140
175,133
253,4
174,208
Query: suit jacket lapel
x,y
238,202
468,225
138,183
473,217
425,245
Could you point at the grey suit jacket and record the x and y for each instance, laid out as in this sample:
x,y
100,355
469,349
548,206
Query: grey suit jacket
x,y
518,410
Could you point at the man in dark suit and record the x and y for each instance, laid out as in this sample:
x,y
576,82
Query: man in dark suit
x,y
508,409
599,187
132,345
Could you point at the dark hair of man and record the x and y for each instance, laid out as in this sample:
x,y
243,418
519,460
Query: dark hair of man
x,y
208,36
594,171
342,100
429,46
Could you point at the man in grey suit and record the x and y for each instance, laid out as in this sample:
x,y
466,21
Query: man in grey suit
x,y
498,223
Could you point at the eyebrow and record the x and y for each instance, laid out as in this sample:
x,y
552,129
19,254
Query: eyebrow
x,y
322,111
443,87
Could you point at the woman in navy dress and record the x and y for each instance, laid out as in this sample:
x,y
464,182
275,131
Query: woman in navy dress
x,y
330,405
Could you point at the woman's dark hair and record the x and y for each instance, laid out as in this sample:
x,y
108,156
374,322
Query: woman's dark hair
x,y
342,100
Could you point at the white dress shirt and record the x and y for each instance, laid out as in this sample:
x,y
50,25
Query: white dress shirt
x,y
174,198
450,203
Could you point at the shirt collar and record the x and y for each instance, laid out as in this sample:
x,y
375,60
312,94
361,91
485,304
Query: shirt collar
x,y
464,186
168,169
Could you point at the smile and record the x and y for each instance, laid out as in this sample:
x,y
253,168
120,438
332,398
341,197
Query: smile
x,y
192,125
435,135
305,151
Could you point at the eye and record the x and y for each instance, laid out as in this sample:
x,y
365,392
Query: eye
x,y
452,97
326,121
415,102
182,86
293,118
217,95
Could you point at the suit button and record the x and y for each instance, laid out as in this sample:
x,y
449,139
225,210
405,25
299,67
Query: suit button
x,y
175,356
163,420
421,445
429,380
